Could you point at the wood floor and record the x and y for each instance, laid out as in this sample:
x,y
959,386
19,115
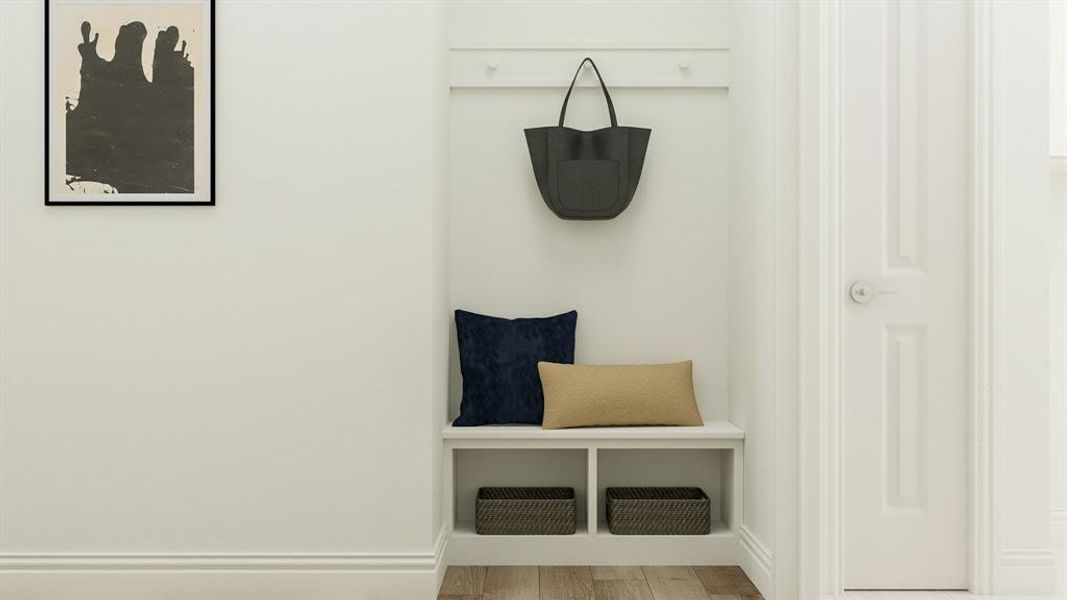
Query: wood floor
x,y
597,583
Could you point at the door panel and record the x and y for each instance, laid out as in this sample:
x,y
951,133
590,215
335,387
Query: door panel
x,y
904,185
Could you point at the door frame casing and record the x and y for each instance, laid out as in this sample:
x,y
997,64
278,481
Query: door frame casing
x,y
821,304
982,291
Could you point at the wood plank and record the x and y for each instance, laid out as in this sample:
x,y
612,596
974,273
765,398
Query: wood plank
x,y
726,581
621,589
618,573
511,583
670,573
597,583
677,589
675,583
566,583
463,580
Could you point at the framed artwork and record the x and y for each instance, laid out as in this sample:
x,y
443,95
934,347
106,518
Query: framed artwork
x,y
129,102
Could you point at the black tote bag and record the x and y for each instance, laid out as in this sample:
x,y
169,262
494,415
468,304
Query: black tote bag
x,y
587,174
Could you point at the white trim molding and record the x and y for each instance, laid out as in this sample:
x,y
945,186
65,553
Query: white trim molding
x,y
212,576
820,306
813,86
1029,571
1026,557
756,561
534,67
982,322
1058,530
1058,164
757,548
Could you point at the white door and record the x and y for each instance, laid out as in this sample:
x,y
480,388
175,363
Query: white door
x,y
904,242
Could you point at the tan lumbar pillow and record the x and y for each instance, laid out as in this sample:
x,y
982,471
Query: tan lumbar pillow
x,y
598,395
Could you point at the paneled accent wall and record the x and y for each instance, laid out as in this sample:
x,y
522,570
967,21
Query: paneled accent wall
x,y
650,285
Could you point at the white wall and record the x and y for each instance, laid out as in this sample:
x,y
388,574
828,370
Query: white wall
x,y
650,285
752,251
1057,24
763,334
589,24
1019,471
257,379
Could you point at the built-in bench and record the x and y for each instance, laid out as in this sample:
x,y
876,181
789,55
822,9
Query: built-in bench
x,y
612,456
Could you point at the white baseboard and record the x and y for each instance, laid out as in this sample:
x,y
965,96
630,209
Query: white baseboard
x,y
585,549
440,551
1026,571
210,577
1059,528
757,562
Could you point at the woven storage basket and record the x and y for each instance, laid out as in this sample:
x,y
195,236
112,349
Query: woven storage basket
x,y
658,511
525,511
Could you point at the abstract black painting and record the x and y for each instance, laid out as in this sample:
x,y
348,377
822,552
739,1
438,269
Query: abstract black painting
x,y
130,102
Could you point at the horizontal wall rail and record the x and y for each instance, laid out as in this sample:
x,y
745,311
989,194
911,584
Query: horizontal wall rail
x,y
622,67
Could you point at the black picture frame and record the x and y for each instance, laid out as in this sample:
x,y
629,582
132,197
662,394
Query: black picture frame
x,y
209,190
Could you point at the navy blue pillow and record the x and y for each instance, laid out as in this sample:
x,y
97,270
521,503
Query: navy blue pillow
x,y
498,359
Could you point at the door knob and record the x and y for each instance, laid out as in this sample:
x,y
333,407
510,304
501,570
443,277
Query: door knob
x,y
863,292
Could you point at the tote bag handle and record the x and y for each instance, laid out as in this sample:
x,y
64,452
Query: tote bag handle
x,y
607,96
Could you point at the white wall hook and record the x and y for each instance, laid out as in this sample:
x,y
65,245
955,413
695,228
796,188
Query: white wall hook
x,y
683,62
491,64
